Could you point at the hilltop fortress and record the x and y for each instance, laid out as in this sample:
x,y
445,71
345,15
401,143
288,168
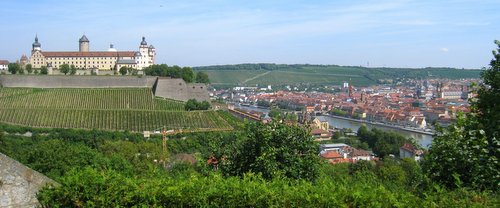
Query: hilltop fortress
x,y
100,60
176,89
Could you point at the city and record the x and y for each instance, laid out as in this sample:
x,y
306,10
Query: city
x,y
223,103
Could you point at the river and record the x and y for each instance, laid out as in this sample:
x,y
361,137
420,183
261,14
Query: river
x,y
424,139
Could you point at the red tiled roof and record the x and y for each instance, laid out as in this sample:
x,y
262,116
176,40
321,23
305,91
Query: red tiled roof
x,y
4,62
89,54
318,131
331,155
410,148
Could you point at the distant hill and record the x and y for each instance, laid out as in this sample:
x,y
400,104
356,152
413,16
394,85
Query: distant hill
x,y
281,74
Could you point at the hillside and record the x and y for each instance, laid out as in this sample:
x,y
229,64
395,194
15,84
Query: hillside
x,y
280,74
133,109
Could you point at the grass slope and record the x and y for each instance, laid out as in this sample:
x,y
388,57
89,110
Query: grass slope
x,y
248,74
111,109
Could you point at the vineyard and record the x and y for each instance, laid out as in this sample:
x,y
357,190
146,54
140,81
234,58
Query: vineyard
x,y
134,109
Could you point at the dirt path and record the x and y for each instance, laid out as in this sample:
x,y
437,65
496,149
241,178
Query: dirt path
x,y
256,76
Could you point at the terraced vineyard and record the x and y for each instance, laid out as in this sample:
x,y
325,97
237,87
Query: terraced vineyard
x,y
134,109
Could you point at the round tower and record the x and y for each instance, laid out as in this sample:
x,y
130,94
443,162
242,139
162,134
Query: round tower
x,y
84,44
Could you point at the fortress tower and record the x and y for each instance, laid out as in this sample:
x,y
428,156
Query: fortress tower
x,y
84,44
36,46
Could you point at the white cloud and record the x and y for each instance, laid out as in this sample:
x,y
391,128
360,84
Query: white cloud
x,y
445,50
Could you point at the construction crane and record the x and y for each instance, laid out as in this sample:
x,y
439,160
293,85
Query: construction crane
x,y
166,132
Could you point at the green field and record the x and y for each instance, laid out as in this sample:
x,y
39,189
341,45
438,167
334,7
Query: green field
x,y
265,74
134,109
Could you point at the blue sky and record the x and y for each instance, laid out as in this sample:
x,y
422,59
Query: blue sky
x,y
420,33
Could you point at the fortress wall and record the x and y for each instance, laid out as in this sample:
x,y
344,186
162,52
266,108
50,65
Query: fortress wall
x,y
75,81
19,184
178,89
198,91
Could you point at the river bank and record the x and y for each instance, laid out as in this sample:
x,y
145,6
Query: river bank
x,y
382,124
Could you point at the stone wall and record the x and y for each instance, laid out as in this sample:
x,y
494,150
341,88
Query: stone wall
x,y
178,89
19,184
55,81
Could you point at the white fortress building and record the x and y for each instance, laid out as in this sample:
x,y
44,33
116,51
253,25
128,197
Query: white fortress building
x,y
86,59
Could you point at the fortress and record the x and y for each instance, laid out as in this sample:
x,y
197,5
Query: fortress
x,y
176,89
86,59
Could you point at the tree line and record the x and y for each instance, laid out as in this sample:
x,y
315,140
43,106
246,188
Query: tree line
x,y
186,73
15,68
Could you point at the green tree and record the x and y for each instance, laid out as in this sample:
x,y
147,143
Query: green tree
x,y
44,70
13,68
202,77
72,70
132,71
55,157
466,152
204,105
64,68
274,113
193,104
291,117
274,150
29,68
123,70
487,105
187,74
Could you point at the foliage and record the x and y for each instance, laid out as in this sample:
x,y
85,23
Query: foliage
x,y
274,150
29,68
64,68
132,71
263,103
123,70
202,77
466,152
109,188
274,113
72,70
162,70
381,142
193,104
56,157
117,169
338,112
291,117
44,70
14,68
488,107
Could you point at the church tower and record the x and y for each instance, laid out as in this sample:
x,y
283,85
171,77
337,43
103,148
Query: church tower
x,y
36,45
84,44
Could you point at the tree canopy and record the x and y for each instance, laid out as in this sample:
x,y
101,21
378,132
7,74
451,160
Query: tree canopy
x,y
466,152
64,68
202,77
163,70
193,104
274,150
13,68
44,70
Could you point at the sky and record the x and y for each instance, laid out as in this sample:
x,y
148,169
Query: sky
x,y
406,33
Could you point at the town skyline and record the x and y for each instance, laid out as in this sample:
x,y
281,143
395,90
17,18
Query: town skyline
x,y
410,34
